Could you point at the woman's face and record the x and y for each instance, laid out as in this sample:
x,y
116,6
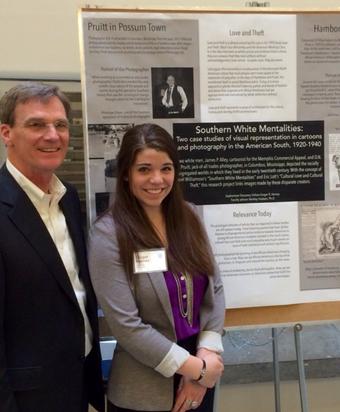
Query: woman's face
x,y
151,178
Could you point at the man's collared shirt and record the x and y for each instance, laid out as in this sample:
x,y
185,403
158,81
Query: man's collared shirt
x,y
47,205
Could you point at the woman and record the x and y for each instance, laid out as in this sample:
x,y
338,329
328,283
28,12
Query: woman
x,y
167,321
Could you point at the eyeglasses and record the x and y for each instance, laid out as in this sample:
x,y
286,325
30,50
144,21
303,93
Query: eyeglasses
x,y
39,126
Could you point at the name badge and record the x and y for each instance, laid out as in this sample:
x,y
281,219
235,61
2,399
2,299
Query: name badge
x,y
151,260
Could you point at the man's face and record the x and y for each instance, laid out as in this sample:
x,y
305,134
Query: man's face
x,y
38,140
170,80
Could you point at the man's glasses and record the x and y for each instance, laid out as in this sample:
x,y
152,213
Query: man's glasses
x,y
39,126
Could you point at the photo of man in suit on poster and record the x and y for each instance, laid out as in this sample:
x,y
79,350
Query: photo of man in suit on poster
x,y
173,95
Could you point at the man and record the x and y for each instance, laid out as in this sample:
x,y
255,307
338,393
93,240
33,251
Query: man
x,y
174,98
49,349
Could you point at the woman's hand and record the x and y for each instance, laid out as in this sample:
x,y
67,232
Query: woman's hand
x,y
192,368
203,352
189,395
214,367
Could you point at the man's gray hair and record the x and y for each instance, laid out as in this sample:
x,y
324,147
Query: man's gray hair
x,y
25,91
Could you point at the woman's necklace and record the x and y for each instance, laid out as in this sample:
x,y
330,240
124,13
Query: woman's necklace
x,y
185,295
159,227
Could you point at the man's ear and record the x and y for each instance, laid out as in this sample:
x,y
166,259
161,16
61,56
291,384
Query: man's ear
x,y
5,133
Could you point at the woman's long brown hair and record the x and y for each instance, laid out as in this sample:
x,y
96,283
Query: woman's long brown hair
x,y
188,249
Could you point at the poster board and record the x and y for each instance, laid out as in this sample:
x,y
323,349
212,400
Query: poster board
x,y
258,134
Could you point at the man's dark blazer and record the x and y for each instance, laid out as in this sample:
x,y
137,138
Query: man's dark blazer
x,y
42,365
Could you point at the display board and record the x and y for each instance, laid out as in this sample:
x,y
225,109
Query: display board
x,y
255,114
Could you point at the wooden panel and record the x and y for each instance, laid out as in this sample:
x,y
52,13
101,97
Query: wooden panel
x,y
286,314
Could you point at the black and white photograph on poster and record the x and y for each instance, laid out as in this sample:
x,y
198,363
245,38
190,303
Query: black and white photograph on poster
x,y
334,161
104,139
328,233
320,246
104,144
172,92
251,162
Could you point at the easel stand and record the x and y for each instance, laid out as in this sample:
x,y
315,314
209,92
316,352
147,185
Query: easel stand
x,y
285,315
276,369
300,365
301,368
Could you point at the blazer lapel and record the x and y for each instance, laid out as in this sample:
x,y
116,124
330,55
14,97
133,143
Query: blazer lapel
x,y
73,222
27,220
70,207
159,285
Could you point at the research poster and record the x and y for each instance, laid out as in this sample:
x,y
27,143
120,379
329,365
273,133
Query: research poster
x,y
253,103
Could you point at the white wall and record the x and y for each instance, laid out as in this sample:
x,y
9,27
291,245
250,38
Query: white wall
x,y
39,38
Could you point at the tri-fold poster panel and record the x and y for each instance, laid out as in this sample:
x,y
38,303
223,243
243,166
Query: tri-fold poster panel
x,y
253,103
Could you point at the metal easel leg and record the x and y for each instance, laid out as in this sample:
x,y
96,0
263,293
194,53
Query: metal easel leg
x,y
276,369
216,395
301,368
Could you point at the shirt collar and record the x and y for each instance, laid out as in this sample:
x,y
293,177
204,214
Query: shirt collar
x,y
56,188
